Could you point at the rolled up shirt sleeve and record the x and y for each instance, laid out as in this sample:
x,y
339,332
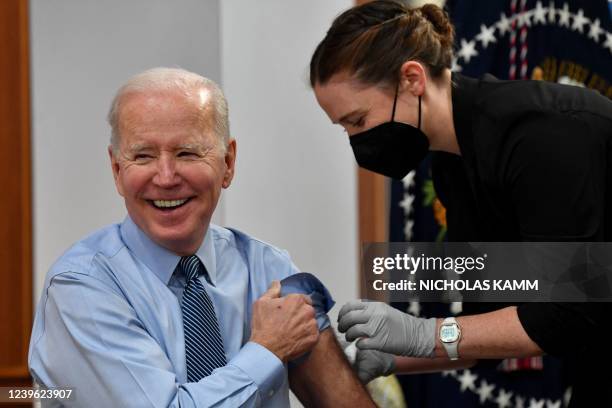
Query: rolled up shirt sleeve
x,y
564,329
93,342
307,284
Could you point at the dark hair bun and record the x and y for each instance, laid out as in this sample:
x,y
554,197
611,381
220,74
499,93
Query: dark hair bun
x,y
373,40
441,23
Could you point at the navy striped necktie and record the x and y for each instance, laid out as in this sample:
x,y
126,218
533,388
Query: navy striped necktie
x,y
203,343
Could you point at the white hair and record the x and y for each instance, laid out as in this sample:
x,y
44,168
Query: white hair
x,y
172,79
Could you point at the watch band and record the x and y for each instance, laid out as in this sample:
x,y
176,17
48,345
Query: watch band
x,y
451,348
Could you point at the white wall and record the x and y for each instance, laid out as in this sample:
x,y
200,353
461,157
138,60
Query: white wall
x,y
81,51
295,182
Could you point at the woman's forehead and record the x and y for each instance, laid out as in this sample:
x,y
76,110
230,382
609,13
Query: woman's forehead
x,y
343,94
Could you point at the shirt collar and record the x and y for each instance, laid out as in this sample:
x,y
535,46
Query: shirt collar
x,y
160,260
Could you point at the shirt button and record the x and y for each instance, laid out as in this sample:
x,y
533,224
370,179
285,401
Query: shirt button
x,y
270,394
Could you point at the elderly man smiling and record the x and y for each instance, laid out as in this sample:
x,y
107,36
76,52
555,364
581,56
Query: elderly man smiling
x,y
166,309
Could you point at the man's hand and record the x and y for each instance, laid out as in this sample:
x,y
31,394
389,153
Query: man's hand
x,y
286,326
383,328
371,364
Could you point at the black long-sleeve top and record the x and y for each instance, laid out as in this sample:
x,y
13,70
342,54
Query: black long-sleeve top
x,y
536,165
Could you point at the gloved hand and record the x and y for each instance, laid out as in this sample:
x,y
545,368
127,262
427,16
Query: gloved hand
x,y
383,328
371,364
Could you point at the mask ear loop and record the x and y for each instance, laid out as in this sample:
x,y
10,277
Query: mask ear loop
x,y
394,103
419,125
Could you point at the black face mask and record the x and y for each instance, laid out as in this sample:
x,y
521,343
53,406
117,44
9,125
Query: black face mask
x,y
392,149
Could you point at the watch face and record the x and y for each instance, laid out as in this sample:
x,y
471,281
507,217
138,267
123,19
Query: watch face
x,y
449,333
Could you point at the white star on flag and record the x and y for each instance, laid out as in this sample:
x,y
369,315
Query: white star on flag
x,y
595,30
552,12
564,16
408,181
454,66
539,14
567,396
452,373
485,391
408,230
406,203
608,42
456,307
553,404
503,24
467,380
414,309
468,50
487,35
533,403
579,21
503,399
519,402
524,19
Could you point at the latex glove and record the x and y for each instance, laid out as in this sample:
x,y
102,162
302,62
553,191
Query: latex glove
x,y
371,364
367,364
383,328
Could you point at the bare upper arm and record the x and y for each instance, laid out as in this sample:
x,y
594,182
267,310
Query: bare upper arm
x,y
326,379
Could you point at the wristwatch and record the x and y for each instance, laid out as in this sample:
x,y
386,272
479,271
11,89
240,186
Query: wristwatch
x,y
450,334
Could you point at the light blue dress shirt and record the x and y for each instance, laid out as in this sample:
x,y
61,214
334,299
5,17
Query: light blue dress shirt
x,y
109,322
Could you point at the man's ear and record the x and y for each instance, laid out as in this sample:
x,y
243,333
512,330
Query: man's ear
x,y
116,169
413,77
230,163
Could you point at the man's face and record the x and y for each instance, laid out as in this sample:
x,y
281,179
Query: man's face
x,y
170,166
